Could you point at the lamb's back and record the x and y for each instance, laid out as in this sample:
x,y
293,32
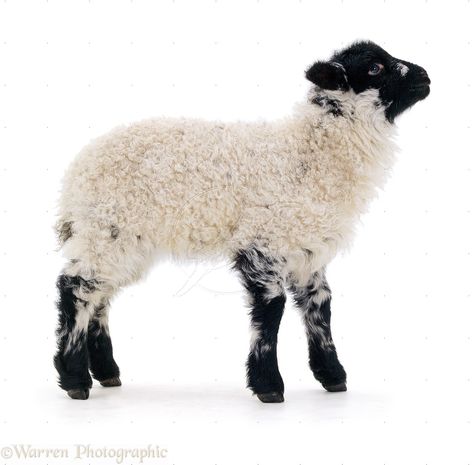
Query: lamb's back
x,y
182,183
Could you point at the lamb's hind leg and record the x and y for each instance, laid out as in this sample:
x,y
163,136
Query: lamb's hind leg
x,y
79,296
314,301
261,276
102,364
72,358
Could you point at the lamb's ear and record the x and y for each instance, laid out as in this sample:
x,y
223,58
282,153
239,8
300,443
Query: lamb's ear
x,y
328,75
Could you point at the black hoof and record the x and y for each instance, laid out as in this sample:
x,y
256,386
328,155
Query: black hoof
x,y
111,382
81,394
271,397
341,387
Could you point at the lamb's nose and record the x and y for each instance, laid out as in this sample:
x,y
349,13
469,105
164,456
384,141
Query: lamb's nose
x,y
424,76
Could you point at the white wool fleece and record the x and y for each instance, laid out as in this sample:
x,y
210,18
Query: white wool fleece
x,y
192,188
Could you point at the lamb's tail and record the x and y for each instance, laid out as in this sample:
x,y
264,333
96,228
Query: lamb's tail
x,y
63,230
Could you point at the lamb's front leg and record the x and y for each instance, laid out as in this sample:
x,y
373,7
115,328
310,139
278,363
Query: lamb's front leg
x,y
314,301
264,283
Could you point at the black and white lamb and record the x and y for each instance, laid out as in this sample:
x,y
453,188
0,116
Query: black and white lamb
x,y
278,199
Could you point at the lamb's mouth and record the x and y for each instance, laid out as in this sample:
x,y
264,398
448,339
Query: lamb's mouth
x,y
422,83
421,89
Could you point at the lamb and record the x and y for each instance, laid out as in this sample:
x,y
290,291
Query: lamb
x,y
277,200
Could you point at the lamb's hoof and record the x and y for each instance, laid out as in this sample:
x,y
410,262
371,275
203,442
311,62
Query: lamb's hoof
x,y
81,394
271,397
341,387
111,382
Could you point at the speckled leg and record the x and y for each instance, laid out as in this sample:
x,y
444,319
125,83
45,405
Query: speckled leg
x,y
260,274
314,301
72,358
102,364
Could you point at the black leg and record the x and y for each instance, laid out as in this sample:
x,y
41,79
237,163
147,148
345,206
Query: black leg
x,y
261,276
314,301
72,359
102,363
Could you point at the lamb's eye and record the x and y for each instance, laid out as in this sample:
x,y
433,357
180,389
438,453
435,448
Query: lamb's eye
x,y
375,68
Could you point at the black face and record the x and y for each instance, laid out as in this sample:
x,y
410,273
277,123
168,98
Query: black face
x,y
365,65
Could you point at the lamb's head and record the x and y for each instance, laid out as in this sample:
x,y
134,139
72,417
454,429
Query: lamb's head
x,y
365,65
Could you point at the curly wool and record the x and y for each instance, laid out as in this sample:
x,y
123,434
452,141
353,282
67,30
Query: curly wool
x,y
191,188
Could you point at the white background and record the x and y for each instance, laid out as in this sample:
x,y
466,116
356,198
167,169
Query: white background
x,y
403,305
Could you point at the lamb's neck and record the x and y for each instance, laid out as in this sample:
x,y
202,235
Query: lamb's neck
x,y
349,146
364,109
